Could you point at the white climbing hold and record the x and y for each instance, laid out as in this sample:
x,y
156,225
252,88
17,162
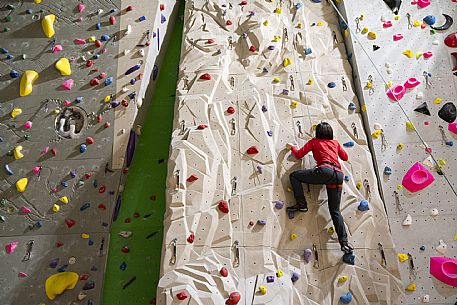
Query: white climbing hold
x,y
377,126
426,299
387,65
434,212
436,42
441,248
128,30
126,52
419,95
389,71
408,220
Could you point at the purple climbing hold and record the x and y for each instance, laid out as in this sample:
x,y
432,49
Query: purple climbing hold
x,y
264,108
279,204
261,222
271,48
14,74
163,19
270,278
155,72
308,253
89,285
54,262
295,277
270,133
73,173
133,69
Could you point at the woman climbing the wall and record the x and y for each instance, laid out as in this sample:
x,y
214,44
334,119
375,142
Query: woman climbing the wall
x,y
328,171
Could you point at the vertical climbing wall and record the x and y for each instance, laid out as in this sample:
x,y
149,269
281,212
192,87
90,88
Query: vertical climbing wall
x,y
255,75
432,229
60,137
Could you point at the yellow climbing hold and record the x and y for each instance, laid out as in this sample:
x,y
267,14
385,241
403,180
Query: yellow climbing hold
x,y
27,80
320,23
399,187
389,84
411,287
437,100
292,236
276,80
276,38
419,55
279,273
262,289
38,1
85,236
63,199
331,230
287,62
364,108
314,126
346,33
410,125
57,283
362,17
442,162
18,152
16,112
289,189
400,146
417,23
310,82
365,30
48,25
21,185
278,10
408,53
397,17
92,39
107,99
372,35
265,23
293,104
299,25
455,236
359,185
63,65
377,134
343,279
402,257
56,208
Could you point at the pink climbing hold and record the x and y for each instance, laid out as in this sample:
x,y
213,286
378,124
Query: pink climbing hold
x,y
11,247
81,7
112,20
417,178
452,127
182,295
68,84
411,83
28,125
25,210
57,48
427,54
387,24
223,272
22,274
398,37
233,299
79,41
67,103
444,269
396,93
223,206
36,169
252,150
423,3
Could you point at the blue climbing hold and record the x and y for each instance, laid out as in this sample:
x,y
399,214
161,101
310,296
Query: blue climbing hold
x,y
14,74
308,51
114,104
62,268
265,70
95,183
363,206
8,170
331,85
294,277
279,204
142,18
449,143
84,206
104,37
387,171
422,248
38,224
133,69
349,144
96,56
73,173
133,81
347,178
430,20
82,148
349,258
108,81
9,56
346,298
271,48
270,133
163,19
298,6
352,106
123,266
98,26
343,25
64,183
79,99
3,51
90,242
54,262
316,1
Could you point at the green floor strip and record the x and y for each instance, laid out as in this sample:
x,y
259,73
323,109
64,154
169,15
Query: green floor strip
x,y
144,195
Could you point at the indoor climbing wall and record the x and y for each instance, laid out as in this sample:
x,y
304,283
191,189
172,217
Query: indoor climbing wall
x,y
407,53
255,75
65,84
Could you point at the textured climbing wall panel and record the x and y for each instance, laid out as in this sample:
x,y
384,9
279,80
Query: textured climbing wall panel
x,y
61,221
241,86
432,210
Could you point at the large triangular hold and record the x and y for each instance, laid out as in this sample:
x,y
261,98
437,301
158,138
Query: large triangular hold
x,y
394,5
423,108
448,112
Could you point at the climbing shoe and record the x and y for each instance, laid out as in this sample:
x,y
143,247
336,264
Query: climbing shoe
x,y
299,207
347,248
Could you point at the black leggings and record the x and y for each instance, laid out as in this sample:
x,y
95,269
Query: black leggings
x,y
333,180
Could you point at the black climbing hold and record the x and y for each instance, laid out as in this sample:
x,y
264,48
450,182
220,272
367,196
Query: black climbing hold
x,y
423,108
376,47
394,5
446,25
448,112
349,258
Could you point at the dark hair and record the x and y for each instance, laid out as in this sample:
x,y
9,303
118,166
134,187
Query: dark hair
x,y
324,131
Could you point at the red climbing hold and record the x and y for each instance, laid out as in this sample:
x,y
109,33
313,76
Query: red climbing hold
x,y
231,110
102,75
252,49
162,7
106,125
102,189
210,41
451,40
89,140
244,2
112,20
84,277
182,295
192,178
89,63
54,152
455,57
136,214
223,272
202,126
223,206
252,150
98,43
94,82
59,244
125,103
233,299
101,206
229,22
70,222
88,175
130,8
205,76
127,220
99,118
125,249
191,238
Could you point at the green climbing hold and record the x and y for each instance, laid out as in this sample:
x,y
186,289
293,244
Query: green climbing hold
x,y
432,31
9,18
6,30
